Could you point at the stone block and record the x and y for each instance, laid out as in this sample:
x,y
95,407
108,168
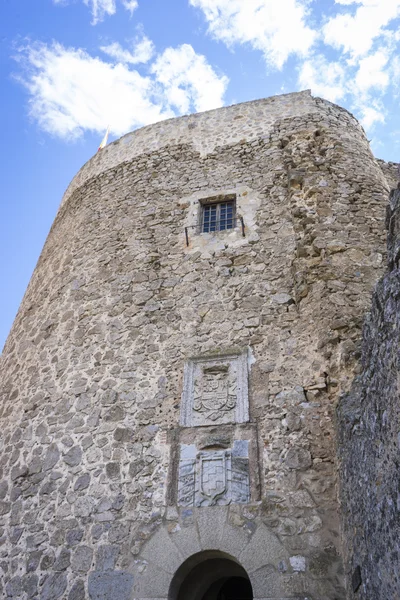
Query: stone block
x,y
186,539
51,458
82,482
30,585
150,582
74,537
267,579
298,458
234,539
106,557
14,587
74,456
82,559
54,586
263,549
63,560
211,522
298,563
113,470
114,585
77,591
161,551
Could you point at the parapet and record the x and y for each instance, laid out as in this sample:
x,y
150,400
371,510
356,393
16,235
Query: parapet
x,y
208,130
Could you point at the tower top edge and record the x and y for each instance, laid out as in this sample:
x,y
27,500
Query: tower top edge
x,y
204,130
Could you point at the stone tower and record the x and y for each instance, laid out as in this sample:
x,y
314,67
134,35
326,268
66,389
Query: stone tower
x,y
170,381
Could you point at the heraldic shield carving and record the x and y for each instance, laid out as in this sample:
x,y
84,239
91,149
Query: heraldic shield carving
x,y
215,391
213,477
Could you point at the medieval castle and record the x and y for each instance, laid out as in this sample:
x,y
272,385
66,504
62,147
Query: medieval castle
x,y
188,410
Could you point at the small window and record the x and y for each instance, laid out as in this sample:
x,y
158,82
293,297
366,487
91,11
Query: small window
x,y
218,215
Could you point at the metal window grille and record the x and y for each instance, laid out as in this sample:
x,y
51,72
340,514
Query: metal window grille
x,y
218,216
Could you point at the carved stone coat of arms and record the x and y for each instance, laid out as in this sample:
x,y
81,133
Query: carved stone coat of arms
x,y
214,477
214,392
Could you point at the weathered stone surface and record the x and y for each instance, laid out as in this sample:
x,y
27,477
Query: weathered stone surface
x,y
84,506
33,560
82,482
263,548
73,456
30,585
14,587
114,584
82,558
162,551
3,489
369,441
106,558
298,563
5,507
15,534
298,458
77,591
54,586
74,536
113,470
63,560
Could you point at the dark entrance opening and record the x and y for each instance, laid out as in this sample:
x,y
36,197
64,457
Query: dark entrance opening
x,y
211,575
234,588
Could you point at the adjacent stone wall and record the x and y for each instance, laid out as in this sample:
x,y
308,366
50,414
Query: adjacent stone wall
x,y
391,171
92,372
369,441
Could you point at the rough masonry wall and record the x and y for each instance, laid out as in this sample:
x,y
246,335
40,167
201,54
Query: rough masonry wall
x,y
92,372
391,171
369,442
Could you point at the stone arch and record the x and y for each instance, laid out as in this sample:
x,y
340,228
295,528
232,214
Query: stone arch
x,y
205,534
209,574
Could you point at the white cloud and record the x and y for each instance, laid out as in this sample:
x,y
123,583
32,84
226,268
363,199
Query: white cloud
x,y
324,78
335,80
103,8
339,81
355,34
277,28
71,91
371,113
142,52
130,5
394,72
347,55
371,72
187,77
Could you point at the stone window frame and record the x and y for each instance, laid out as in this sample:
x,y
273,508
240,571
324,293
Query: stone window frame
x,y
217,200
242,370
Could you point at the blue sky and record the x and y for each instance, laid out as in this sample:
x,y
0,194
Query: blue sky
x,y
69,68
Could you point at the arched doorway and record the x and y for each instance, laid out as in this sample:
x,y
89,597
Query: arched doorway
x,y
211,575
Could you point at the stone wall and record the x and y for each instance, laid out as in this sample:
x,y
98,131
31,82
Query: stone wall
x,y
369,441
93,437
207,131
391,171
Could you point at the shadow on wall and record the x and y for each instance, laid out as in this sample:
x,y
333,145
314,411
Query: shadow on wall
x,y
368,435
